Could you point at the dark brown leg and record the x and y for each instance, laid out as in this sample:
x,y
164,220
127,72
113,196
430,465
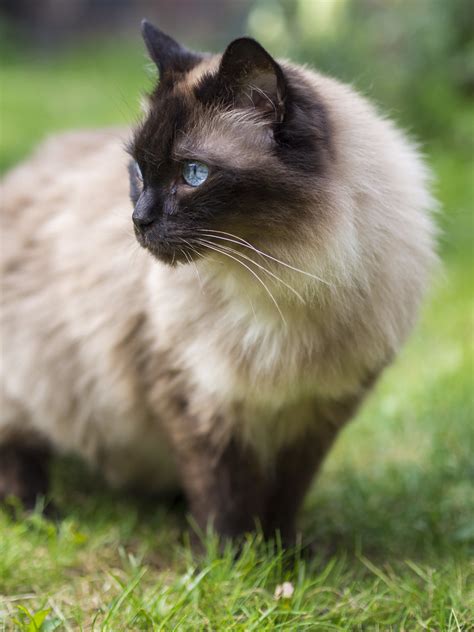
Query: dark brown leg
x,y
295,468
228,487
234,493
297,464
225,489
23,473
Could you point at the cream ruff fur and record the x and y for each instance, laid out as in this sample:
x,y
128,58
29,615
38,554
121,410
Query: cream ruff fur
x,y
99,340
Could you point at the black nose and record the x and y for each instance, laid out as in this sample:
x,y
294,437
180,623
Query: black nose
x,y
141,222
143,214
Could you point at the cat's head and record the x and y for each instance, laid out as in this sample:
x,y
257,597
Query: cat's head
x,y
232,145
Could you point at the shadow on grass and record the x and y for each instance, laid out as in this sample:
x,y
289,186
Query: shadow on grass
x,y
393,513
86,497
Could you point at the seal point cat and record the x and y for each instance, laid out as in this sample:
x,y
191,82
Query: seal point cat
x,y
286,241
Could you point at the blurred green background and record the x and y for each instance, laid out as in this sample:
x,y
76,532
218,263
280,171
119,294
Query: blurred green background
x,y
400,483
75,63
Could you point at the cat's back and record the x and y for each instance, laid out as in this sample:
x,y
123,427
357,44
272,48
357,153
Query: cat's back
x,y
65,222
69,174
72,301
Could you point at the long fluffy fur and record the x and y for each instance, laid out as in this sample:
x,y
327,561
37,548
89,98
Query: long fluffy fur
x,y
101,342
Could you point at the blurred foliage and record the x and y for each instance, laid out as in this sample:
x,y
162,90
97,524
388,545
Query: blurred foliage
x,y
416,58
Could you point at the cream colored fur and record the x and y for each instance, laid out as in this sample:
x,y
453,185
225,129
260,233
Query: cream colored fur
x,y
99,340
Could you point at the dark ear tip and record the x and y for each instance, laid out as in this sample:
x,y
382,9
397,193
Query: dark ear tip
x,y
247,50
150,30
245,41
244,38
146,27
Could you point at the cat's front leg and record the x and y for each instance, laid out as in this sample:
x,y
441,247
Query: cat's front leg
x,y
297,463
225,486
232,491
294,469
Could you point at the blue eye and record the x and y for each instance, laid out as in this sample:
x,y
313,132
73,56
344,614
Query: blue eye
x,y
195,173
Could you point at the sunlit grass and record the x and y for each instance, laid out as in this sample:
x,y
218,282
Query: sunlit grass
x,y
391,521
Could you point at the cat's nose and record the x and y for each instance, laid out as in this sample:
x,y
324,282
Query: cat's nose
x,y
143,213
141,222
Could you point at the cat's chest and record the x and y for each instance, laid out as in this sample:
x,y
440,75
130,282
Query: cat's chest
x,y
225,348
265,370
229,353
244,398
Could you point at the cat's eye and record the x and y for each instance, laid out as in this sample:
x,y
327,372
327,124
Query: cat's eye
x,y
195,173
138,172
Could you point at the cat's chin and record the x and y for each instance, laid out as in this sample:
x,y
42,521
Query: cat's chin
x,y
169,255
171,259
163,252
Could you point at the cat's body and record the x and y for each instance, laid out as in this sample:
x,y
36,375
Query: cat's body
x,y
193,374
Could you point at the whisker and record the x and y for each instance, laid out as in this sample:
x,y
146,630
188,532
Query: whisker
x,y
133,252
226,254
247,244
241,254
197,271
240,240
200,255
184,254
189,260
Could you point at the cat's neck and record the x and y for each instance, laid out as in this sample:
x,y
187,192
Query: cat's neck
x,y
257,292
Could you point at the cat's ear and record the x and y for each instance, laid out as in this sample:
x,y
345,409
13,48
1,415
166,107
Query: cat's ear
x,y
168,55
255,79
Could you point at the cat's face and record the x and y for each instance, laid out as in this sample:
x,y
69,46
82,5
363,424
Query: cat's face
x,y
231,145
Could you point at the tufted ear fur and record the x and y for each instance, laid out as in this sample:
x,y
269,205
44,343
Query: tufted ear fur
x,y
169,56
254,78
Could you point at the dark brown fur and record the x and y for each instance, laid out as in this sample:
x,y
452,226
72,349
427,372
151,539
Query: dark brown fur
x,y
23,473
276,191
230,488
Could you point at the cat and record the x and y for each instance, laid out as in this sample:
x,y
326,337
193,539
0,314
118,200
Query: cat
x,y
285,240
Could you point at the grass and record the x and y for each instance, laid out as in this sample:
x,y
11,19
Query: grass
x,y
392,516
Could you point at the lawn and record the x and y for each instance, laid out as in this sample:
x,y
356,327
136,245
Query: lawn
x,y
391,518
